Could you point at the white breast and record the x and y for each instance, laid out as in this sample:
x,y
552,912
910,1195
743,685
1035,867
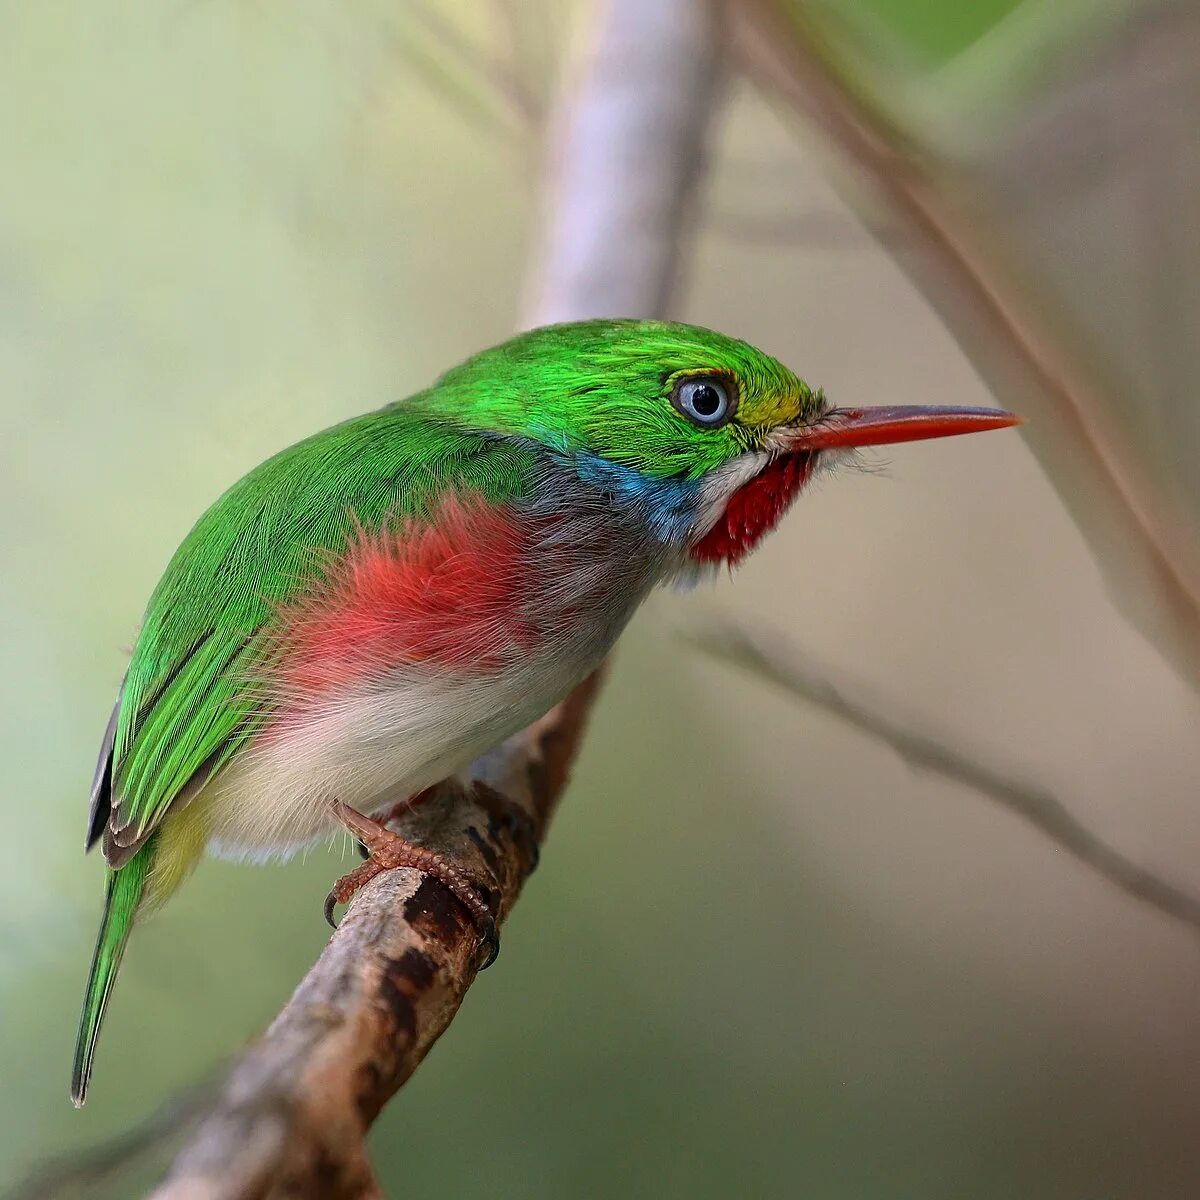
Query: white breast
x,y
371,748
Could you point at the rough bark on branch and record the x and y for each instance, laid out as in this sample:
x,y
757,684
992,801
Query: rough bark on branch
x,y
294,1115
297,1106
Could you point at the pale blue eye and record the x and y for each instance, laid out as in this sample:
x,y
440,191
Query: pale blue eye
x,y
704,400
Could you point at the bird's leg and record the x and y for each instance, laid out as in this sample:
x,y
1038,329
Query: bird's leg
x,y
400,809
386,851
403,807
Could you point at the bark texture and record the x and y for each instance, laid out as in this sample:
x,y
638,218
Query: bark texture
x,y
293,1118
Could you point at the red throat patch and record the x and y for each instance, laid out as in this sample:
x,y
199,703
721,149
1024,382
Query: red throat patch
x,y
754,510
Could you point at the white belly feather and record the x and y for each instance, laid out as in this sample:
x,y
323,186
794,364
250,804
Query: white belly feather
x,y
371,748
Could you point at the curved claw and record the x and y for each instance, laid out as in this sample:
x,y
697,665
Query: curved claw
x,y
330,904
489,937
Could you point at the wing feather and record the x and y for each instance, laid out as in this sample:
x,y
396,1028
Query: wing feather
x,y
191,699
101,800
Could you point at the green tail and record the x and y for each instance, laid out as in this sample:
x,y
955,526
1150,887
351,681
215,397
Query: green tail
x,y
121,902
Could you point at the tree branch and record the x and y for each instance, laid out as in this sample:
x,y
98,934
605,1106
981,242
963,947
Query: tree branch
x,y
626,153
146,1146
972,280
295,1112
770,656
504,80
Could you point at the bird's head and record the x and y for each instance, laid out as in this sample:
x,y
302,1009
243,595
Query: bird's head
x,y
711,437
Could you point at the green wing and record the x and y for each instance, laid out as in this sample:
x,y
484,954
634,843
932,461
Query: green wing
x,y
189,700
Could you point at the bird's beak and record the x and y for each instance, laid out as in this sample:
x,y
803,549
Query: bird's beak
x,y
884,426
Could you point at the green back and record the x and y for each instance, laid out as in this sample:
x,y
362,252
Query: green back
x,y
188,700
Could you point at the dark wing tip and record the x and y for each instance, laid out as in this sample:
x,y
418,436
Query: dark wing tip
x,y
116,854
101,799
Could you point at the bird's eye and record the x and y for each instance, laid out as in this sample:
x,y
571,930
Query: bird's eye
x,y
704,400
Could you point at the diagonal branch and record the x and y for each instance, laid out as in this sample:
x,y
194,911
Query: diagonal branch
x,y
504,80
971,279
297,1106
771,657
144,1147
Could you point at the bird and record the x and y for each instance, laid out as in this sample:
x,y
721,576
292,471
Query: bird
x,y
366,612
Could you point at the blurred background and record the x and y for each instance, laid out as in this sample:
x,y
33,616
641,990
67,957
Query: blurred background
x,y
762,956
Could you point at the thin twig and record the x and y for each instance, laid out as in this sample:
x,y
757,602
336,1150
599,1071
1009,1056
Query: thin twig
x,y
81,1173
770,656
504,79
458,96
481,89
528,31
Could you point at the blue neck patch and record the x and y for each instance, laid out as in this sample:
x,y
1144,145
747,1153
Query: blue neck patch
x,y
667,506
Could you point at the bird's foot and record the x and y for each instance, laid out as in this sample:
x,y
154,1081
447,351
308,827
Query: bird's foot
x,y
405,806
387,851
396,812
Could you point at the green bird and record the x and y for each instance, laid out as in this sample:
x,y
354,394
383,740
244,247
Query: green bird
x,y
365,613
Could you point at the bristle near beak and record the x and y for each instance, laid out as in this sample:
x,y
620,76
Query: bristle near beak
x,y
886,426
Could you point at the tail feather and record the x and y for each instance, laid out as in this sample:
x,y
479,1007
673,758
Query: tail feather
x,y
124,894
